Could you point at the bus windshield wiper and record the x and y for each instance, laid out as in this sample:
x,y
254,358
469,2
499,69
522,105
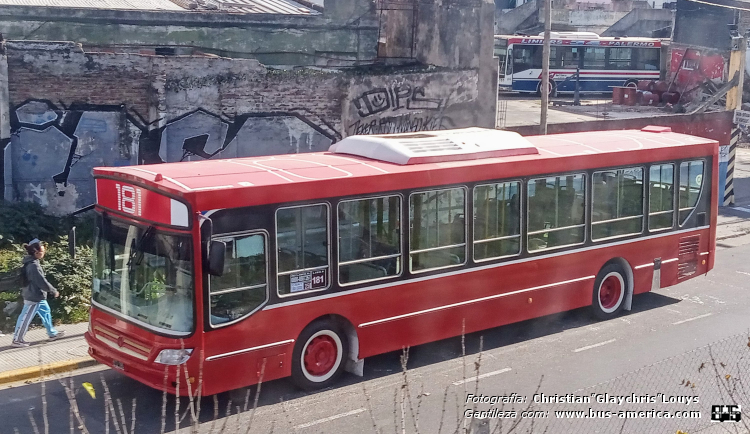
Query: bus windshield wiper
x,y
136,251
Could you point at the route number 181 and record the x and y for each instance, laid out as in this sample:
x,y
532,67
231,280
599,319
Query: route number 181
x,y
128,199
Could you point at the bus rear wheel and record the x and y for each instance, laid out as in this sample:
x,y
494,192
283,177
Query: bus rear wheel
x,y
609,292
631,82
319,355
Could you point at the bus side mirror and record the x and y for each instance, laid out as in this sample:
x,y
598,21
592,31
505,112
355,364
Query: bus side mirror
x,y
216,254
72,242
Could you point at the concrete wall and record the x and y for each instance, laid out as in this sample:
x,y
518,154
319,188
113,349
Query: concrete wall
x,y
72,110
715,125
641,22
507,22
460,34
585,21
345,35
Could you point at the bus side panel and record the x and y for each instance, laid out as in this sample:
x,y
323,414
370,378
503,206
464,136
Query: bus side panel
x,y
431,309
568,284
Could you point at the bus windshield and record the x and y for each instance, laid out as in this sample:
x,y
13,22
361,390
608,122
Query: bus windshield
x,y
145,275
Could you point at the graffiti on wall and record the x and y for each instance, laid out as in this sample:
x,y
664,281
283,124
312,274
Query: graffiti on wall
x,y
53,149
398,107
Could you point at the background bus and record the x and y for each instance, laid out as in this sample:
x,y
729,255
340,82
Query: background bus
x,y
252,269
604,61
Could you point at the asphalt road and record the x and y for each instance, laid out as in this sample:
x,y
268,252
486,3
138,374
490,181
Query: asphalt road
x,y
567,352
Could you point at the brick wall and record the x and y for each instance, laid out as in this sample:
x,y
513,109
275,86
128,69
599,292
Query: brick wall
x,y
72,110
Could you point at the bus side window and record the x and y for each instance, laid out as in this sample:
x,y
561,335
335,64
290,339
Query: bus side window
x,y
617,203
691,182
369,239
438,229
497,220
302,240
555,212
243,286
661,197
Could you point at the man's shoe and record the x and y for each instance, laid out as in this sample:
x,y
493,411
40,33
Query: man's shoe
x,y
59,334
19,344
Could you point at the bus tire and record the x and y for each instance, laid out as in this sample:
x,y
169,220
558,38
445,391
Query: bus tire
x,y
631,82
610,288
552,91
319,355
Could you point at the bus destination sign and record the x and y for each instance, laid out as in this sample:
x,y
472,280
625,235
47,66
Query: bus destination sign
x,y
140,203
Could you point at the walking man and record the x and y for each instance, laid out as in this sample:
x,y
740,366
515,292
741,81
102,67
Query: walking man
x,y
35,295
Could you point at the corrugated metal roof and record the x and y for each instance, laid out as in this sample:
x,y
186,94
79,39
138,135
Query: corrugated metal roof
x,y
287,7
165,5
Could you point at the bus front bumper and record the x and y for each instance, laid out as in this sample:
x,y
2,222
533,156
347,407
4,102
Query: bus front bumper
x,y
149,373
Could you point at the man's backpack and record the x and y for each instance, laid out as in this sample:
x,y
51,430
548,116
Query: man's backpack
x,y
14,280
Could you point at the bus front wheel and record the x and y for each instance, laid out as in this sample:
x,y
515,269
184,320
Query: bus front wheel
x,y
552,89
319,355
609,291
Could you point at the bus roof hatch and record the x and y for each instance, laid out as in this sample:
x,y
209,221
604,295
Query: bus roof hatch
x,y
436,146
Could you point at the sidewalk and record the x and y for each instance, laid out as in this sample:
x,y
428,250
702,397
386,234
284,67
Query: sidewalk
x,y
67,353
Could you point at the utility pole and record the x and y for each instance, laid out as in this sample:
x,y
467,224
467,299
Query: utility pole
x,y
734,102
544,86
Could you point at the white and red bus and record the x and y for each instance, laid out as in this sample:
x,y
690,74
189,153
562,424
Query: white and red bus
x,y
604,62
304,265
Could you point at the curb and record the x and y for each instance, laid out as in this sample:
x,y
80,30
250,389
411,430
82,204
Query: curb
x,y
46,370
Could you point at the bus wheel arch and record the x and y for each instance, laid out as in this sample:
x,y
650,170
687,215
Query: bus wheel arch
x,y
631,82
322,352
353,364
613,289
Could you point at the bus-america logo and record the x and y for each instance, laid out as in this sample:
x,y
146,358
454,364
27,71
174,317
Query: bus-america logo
x,y
139,202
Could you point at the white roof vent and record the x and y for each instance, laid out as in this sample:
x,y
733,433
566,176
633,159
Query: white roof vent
x,y
436,146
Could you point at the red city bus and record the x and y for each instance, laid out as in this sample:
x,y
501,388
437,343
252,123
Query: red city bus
x,y
252,269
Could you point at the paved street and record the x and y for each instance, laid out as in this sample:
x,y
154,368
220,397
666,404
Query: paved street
x,y
572,352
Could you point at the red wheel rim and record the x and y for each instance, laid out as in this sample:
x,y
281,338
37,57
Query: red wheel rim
x,y
320,355
609,292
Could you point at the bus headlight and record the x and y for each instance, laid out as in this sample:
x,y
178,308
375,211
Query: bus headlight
x,y
173,357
